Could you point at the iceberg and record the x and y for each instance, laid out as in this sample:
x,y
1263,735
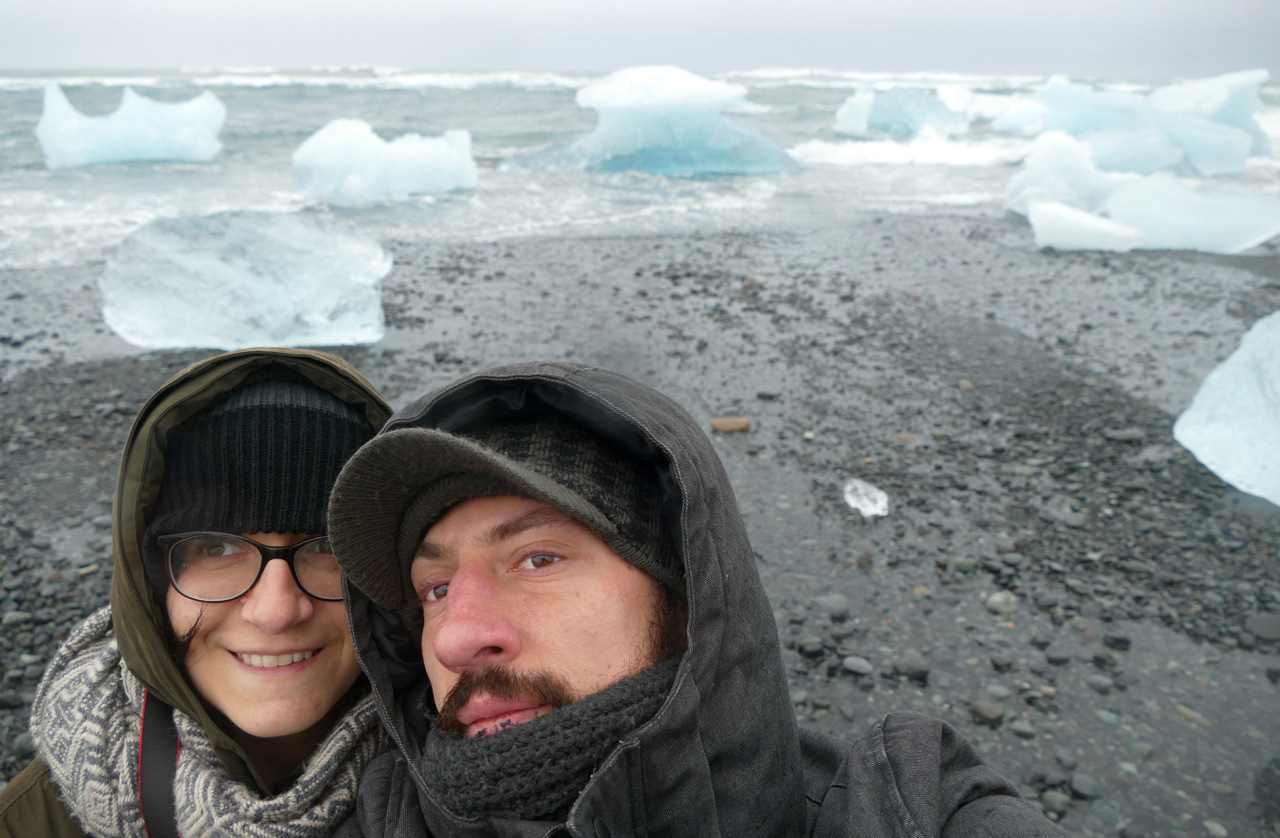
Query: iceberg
x,y
346,164
665,121
1059,169
1233,423
1173,216
1073,206
1206,127
141,129
1067,228
238,279
898,112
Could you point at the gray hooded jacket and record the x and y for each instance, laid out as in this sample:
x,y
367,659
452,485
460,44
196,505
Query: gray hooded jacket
x,y
723,755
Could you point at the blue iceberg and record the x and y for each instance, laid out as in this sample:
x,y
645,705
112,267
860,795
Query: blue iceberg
x,y
346,164
1233,423
1206,127
141,129
897,112
665,121
237,279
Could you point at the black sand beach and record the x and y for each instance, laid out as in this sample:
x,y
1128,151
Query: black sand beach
x,y
1016,406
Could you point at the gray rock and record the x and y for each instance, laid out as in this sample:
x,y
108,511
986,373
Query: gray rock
x,y
1065,758
1107,717
1002,602
799,697
810,646
1001,661
988,713
1061,510
836,606
1117,642
857,665
964,564
1264,625
912,665
1085,787
10,700
1055,801
22,746
1125,434
1022,729
15,618
1099,683
999,691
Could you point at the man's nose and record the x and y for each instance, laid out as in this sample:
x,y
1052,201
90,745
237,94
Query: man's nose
x,y
276,603
476,629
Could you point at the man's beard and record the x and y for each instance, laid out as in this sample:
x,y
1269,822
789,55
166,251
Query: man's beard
x,y
501,682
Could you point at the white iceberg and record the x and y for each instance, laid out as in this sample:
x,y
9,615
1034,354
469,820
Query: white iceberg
x,y
141,129
1059,168
1233,423
1207,127
666,121
239,279
1067,228
1230,99
346,164
1073,206
1173,216
897,112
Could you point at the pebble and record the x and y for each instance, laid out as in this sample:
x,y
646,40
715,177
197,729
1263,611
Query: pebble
x,y
15,618
987,712
836,606
799,697
1219,788
1002,602
1191,715
1023,729
1106,717
810,646
1215,829
912,665
1001,661
857,665
1056,658
22,745
1264,624
1055,801
730,424
1085,787
1117,642
1065,758
964,564
1099,683
10,700
1143,750
999,691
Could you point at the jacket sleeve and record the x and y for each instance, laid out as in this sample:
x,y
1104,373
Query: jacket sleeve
x,y
913,776
30,807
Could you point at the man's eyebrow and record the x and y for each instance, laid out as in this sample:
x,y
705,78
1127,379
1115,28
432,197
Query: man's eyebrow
x,y
544,516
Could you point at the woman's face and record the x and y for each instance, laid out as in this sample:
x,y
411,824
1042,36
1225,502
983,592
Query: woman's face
x,y
242,658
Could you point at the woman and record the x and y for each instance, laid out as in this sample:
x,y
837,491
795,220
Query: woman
x,y
228,468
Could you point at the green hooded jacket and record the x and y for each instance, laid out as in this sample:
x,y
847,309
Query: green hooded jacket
x,y
30,805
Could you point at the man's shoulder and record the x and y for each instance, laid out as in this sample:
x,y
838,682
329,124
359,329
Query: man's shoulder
x,y
31,807
913,773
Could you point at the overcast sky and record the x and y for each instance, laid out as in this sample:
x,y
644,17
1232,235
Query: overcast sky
x,y
1128,39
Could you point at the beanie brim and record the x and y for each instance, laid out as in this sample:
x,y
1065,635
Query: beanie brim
x,y
403,481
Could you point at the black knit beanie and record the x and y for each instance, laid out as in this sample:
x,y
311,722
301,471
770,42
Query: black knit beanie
x,y
262,459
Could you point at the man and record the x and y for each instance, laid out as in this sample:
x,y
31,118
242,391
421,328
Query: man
x,y
597,653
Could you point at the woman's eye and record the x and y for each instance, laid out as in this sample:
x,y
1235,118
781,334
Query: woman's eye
x,y
436,593
539,560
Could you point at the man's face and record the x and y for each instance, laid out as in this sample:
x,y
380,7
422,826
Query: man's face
x,y
528,609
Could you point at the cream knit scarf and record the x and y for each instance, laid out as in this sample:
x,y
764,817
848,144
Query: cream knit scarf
x,y
85,723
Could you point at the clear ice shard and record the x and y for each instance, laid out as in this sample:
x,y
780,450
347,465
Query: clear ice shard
x,y
1233,423
238,279
346,164
664,121
871,501
140,130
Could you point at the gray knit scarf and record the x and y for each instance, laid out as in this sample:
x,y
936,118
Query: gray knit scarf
x,y
536,770
85,723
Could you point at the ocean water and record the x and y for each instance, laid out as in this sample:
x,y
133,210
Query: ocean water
x,y
50,218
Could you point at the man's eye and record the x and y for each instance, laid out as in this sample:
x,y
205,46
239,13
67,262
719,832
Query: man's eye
x,y
539,560
436,593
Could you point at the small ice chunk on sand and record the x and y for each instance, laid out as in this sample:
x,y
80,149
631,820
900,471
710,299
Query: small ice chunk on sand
x,y
141,129
346,164
239,279
871,501
666,121
1067,228
1233,423
1173,216
897,112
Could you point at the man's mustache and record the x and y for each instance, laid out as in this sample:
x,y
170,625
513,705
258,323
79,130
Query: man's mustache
x,y
501,682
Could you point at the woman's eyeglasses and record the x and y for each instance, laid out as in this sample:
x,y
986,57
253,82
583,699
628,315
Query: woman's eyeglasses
x,y
219,567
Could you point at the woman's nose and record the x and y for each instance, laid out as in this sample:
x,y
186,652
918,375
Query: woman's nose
x,y
275,603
